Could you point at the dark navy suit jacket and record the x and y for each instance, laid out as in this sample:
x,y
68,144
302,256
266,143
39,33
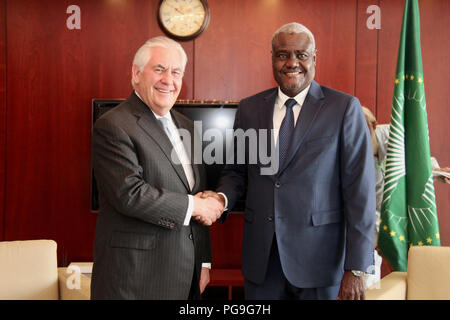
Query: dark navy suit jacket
x,y
320,203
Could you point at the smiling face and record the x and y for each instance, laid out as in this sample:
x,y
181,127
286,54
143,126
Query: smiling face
x,y
159,82
293,62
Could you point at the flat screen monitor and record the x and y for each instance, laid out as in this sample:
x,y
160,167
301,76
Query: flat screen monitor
x,y
213,115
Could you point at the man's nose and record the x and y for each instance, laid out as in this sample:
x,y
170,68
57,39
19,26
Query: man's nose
x,y
292,61
167,77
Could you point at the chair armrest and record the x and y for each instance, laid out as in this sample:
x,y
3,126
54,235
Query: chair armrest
x,y
391,287
67,293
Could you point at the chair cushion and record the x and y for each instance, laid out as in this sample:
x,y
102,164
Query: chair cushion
x,y
28,270
391,287
428,274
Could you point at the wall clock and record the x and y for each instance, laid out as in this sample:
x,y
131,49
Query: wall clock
x,y
183,19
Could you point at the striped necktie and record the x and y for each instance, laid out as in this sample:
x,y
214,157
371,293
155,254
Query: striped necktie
x,y
286,130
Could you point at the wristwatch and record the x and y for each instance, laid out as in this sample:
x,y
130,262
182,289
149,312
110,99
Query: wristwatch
x,y
358,273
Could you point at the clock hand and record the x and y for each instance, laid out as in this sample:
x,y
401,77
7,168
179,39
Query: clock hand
x,y
175,8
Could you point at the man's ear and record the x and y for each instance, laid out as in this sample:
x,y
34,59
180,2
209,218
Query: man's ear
x,y
134,73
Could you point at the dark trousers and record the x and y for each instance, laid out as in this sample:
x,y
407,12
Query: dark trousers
x,y
277,287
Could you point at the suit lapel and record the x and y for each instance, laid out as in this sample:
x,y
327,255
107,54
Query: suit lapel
x,y
310,109
266,121
266,114
148,123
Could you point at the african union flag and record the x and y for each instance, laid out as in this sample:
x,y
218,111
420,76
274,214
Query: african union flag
x,y
408,212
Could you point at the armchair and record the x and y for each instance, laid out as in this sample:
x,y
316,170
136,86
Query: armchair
x,y
427,278
28,271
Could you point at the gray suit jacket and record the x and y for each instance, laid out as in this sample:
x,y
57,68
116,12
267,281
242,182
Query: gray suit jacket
x,y
142,250
320,204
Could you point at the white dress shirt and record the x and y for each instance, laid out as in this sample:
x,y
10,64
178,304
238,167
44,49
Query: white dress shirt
x,y
279,110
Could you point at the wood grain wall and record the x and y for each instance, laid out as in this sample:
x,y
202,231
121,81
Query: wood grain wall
x,y
49,75
2,115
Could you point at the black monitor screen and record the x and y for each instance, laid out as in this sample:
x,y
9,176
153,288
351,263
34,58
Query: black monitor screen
x,y
218,116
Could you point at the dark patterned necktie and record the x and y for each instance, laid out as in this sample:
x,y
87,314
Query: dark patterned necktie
x,y
286,130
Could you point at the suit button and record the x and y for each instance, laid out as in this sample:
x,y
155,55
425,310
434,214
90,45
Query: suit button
x,y
190,236
270,218
277,184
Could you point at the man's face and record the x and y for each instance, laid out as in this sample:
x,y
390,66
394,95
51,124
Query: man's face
x,y
159,83
293,62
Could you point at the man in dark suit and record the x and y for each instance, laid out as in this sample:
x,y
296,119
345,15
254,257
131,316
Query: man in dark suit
x,y
308,231
146,245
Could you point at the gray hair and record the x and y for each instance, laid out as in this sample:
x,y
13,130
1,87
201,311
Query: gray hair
x,y
142,56
295,28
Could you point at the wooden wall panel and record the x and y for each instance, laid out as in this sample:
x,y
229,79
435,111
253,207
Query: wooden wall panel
x,y
435,39
389,37
366,58
232,58
226,242
2,115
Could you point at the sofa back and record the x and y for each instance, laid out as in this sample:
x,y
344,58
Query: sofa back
x,y
28,270
428,275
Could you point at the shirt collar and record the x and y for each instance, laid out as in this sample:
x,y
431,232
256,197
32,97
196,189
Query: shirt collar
x,y
300,98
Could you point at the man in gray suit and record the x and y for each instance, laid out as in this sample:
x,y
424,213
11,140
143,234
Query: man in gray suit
x,y
146,245
308,231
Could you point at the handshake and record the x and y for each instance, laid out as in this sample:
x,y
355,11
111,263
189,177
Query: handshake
x,y
208,207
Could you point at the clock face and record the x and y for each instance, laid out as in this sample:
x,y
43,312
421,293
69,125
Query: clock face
x,y
183,19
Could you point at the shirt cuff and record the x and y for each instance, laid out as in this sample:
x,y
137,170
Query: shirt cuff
x,y
206,265
190,210
226,200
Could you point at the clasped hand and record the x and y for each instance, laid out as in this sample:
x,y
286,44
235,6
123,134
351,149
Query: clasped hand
x,y
208,207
